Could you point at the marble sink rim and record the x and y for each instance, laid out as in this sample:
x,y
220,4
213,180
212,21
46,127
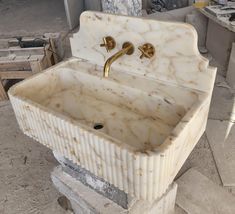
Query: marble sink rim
x,y
178,128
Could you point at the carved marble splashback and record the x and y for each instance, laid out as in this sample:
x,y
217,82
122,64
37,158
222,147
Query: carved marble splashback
x,y
124,7
177,59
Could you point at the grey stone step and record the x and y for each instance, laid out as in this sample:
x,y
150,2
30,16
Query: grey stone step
x,y
199,195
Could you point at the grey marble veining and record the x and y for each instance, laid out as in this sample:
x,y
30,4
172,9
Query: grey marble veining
x,y
125,7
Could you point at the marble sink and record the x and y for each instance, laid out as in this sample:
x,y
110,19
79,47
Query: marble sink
x,y
134,129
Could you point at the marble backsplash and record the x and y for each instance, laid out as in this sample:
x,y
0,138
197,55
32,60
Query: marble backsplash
x,y
124,7
177,60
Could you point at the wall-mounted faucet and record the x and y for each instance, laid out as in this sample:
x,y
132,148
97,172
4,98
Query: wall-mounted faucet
x,y
127,48
147,50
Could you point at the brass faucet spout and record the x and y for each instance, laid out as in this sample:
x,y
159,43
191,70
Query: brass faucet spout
x,y
127,48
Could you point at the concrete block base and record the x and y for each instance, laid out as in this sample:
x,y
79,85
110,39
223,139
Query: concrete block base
x,y
84,200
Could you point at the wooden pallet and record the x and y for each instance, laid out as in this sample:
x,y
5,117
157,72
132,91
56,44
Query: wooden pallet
x,y
20,63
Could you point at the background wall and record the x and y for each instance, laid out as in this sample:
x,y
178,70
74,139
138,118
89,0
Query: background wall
x,y
124,7
146,4
93,5
97,5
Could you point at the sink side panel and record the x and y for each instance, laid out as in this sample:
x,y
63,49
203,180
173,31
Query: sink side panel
x,y
184,138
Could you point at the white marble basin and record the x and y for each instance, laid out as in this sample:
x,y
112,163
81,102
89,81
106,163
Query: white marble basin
x,y
140,118
134,129
65,103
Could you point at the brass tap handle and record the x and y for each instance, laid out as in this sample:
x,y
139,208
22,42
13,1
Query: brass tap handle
x,y
147,50
109,43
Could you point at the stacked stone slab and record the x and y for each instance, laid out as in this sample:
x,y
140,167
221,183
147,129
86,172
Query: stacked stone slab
x,y
85,200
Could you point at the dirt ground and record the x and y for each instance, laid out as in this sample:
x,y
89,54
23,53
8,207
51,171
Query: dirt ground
x,y
25,168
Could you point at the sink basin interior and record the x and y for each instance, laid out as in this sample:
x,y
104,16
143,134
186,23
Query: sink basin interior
x,y
133,110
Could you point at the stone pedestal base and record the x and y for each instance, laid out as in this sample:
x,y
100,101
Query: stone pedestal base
x,y
84,200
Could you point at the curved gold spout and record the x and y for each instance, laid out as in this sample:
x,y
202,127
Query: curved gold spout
x,y
127,48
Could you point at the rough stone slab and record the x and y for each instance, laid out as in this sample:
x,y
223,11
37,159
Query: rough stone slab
x,y
219,46
94,182
85,200
223,22
99,185
199,21
199,195
177,15
124,7
223,148
222,102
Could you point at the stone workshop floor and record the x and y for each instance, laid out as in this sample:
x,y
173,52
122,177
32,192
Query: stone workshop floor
x,y
25,166
32,17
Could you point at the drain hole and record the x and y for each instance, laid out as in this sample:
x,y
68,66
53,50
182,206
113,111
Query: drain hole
x,y
98,126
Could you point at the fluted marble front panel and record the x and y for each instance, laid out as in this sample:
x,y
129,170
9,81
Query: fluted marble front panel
x,y
153,112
